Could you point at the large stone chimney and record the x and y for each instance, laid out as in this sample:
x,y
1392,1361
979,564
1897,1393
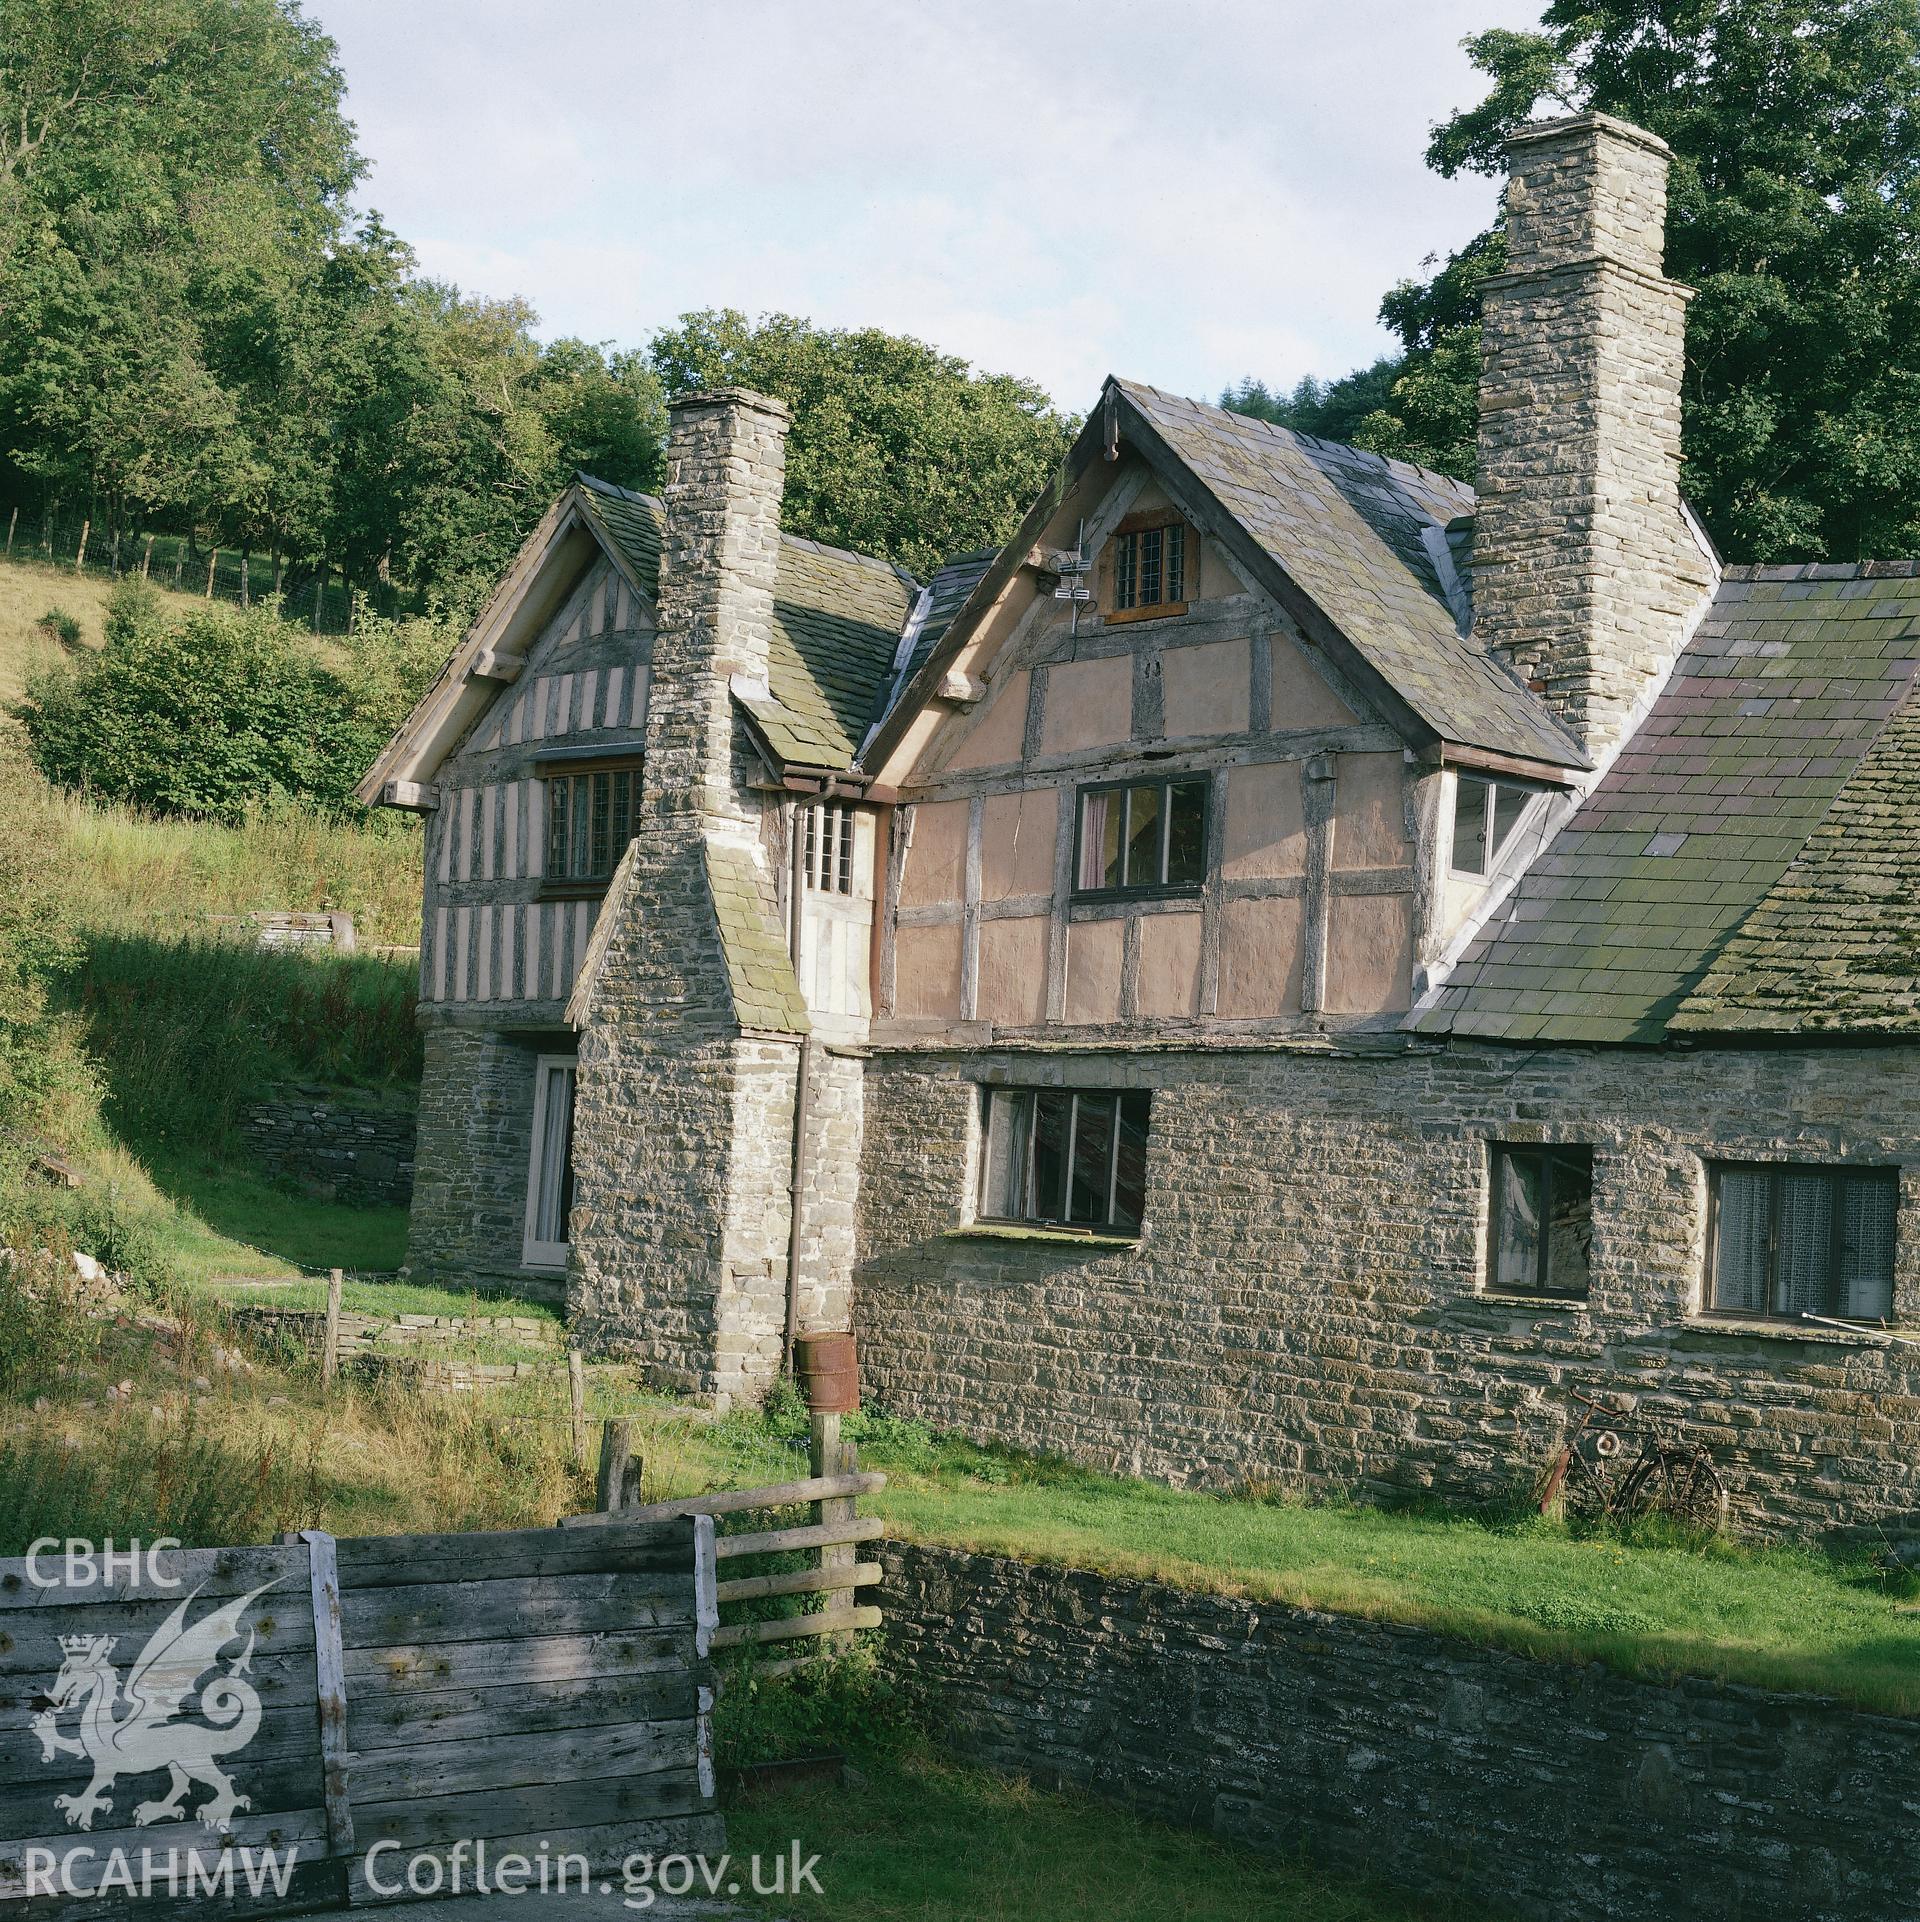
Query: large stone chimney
x,y
690,1020
1585,569
726,465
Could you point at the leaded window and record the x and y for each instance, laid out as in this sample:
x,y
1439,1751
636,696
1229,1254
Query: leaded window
x,y
1150,570
591,816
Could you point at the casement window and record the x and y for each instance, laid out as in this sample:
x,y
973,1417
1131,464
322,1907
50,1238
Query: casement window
x,y
1789,1240
1065,1158
1485,814
1143,837
592,814
1542,1228
828,854
550,1176
1150,570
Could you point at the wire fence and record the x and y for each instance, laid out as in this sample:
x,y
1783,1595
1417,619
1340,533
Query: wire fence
x,y
316,594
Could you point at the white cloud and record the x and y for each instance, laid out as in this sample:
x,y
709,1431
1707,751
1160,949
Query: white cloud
x,y
1184,194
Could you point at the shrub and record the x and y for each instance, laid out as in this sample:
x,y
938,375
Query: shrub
x,y
222,711
58,625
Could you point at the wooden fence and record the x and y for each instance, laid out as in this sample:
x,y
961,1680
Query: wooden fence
x,y
544,1692
318,595
829,1538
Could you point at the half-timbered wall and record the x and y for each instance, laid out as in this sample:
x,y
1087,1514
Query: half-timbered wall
x,y
1308,906
488,935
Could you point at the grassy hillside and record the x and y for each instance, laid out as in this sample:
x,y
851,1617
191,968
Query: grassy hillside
x,y
170,1021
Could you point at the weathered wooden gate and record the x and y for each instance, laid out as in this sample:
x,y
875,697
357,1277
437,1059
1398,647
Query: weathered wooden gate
x,y
372,1720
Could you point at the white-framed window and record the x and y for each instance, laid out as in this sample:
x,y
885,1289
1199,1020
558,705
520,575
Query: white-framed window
x,y
829,849
1485,815
550,1173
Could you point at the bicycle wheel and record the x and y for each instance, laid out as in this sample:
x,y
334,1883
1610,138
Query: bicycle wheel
x,y
1679,1482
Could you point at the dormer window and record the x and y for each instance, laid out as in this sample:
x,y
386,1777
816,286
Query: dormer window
x,y
1150,561
1485,815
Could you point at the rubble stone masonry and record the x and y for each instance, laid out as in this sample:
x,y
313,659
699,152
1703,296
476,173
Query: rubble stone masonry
x,y
1305,1306
1505,1785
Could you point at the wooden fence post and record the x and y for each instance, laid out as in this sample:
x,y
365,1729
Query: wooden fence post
x,y
213,556
80,559
620,1467
113,559
330,1353
319,588
146,558
246,597
577,1396
831,1456
12,519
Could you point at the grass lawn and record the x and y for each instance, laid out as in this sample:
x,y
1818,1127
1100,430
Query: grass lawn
x,y
394,1298
922,1840
1779,1617
249,1212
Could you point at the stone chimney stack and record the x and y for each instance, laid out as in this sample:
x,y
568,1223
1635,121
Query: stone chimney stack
x,y
1585,569
726,465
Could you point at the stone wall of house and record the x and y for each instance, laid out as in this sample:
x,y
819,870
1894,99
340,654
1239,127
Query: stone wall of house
x,y
1306,1303
1509,1785
345,1150
468,1224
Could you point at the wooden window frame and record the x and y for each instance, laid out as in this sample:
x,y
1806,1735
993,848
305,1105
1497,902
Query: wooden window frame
x,y
1834,1172
549,1256
1112,1223
1499,1152
1156,521
561,885
827,857
1494,784
1149,890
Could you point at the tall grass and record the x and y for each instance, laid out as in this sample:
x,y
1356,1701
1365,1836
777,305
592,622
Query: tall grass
x,y
131,873
187,1031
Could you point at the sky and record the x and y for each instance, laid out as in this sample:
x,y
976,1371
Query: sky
x,y
1181,192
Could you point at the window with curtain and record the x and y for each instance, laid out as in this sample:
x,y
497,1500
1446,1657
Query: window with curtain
x,y
1790,1240
550,1178
1542,1220
1142,837
1066,1158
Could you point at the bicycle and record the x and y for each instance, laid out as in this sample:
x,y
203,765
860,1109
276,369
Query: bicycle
x,y
1667,1477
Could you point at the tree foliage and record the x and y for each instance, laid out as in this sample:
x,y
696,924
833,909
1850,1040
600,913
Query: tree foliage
x,y
896,449
1795,211
1330,409
223,712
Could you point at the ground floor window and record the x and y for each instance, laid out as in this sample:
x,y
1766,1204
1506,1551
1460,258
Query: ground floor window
x,y
1065,1158
1793,1240
1542,1238
550,1180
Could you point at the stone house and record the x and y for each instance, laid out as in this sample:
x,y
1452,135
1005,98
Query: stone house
x,y
1278,973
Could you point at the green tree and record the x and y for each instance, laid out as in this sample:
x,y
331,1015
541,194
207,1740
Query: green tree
x,y
169,171
222,712
1795,211
1331,409
896,449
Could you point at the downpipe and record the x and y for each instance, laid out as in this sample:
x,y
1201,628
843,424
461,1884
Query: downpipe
x,y
802,1081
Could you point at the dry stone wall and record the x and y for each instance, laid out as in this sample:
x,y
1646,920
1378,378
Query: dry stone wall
x,y
1305,1305
344,1150
1514,1787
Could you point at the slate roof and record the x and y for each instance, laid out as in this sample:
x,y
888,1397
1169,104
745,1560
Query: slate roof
x,y
766,992
1348,527
837,620
1835,944
1777,700
945,595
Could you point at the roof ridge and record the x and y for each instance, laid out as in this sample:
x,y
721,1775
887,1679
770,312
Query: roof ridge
x,y
1389,461
853,554
1823,570
618,492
